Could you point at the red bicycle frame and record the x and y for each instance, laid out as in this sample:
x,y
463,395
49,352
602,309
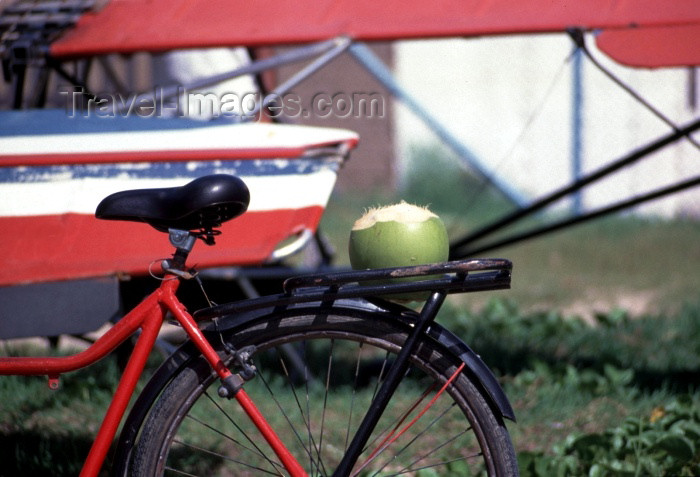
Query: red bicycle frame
x,y
148,316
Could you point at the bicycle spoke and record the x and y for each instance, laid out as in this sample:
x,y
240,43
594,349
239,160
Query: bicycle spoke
x,y
257,450
325,396
380,378
394,426
308,401
354,393
318,464
387,435
394,435
432,466
179,472
221,456
307,450
409,468
426,429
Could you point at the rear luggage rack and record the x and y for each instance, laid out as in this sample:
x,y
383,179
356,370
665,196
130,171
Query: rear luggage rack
x,y
462,276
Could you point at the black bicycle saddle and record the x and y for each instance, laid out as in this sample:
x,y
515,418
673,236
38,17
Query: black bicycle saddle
x,y
204,203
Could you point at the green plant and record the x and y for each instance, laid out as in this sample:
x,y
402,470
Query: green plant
x,y
662,351
663,444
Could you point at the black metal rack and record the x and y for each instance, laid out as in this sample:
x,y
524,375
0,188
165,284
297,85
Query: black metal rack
x,y
461,276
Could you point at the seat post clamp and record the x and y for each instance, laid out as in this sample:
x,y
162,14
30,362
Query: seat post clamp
x,y
181,239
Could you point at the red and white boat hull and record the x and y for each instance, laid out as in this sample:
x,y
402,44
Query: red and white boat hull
x,y
50,186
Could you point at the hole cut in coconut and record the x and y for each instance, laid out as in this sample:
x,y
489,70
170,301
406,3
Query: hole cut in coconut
x,y
403,212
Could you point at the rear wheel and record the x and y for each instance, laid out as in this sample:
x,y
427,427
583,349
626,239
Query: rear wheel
x,y
316,377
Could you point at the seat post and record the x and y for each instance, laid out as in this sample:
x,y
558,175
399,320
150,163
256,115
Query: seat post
x,y
183,241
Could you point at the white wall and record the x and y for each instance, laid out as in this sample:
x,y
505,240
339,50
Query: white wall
x,y
509,99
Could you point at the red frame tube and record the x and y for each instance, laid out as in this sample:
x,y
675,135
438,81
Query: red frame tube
x,y
148,316
150,327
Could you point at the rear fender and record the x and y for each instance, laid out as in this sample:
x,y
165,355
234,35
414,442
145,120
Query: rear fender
x,y
483,376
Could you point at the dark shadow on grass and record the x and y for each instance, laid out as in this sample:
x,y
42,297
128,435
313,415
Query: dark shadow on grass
x,y
31,453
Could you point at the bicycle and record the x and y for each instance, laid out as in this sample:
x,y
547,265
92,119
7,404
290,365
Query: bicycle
x,y
352,383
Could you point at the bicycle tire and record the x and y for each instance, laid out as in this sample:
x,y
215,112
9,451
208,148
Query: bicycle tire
x,y
316,404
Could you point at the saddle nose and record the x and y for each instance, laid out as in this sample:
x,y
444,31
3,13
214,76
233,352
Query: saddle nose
x,y
204,203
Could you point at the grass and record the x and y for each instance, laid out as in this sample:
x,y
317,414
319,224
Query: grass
x,y
565,377
601,327
45,432
568,376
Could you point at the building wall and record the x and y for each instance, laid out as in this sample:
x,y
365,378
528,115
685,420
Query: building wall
x,y
372,164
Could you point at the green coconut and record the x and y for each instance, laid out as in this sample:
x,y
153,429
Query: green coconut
x,y
396,236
